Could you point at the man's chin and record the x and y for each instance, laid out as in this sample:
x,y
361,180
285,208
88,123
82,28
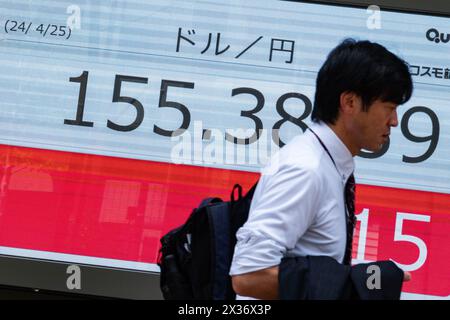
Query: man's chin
x,y
374,148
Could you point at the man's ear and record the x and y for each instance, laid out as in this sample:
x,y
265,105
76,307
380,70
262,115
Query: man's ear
x,y
349,102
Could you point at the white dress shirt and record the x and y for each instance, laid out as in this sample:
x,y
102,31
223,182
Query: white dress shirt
x,y
298,208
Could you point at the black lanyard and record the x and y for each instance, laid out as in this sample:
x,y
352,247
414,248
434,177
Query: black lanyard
x,y
350,221
323,145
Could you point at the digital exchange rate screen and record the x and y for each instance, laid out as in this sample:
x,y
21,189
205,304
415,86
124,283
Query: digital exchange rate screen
x,y
116,119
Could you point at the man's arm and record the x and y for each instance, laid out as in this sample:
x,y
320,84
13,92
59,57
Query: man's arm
x,y
274,224
261,284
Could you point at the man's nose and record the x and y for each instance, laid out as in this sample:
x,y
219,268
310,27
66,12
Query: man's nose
x,y
394,119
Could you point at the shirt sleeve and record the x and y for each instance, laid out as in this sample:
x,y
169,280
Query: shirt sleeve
x,y
283,208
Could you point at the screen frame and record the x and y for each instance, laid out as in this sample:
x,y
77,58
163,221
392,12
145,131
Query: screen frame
x,y
46,276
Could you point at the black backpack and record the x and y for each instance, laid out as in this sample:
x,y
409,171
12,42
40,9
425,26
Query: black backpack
x,y
195,258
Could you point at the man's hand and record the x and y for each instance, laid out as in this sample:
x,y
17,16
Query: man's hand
x,y
406,276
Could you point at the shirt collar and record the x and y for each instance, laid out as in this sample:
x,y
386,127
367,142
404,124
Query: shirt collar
x,y
338,150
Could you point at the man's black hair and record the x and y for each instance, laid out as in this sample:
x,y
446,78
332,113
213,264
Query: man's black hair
x,y
365,68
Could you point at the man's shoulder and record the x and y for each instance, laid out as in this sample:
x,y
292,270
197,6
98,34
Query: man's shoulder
x,y
303,151
301,154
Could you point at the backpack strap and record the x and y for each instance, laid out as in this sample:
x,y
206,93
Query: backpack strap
x,y
221,250
237,187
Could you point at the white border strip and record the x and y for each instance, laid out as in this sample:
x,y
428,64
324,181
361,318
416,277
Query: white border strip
x,y
72,258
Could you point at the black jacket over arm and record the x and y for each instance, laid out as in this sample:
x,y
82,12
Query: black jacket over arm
x,y
323,278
